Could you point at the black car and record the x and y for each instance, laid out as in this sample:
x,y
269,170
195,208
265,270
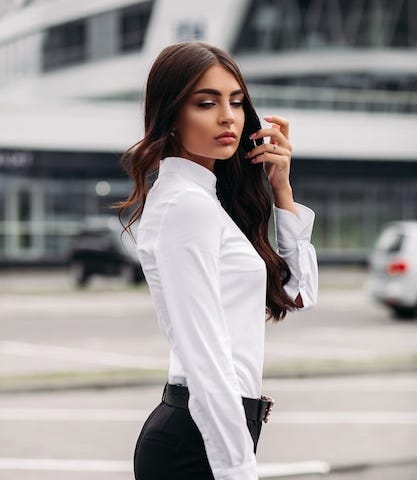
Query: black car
x,y
99,249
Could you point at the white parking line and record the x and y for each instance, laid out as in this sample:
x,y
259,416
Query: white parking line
x,y
73,414
265,470
273,470
277,417
294,350
357,418
64,465
362,383
79,355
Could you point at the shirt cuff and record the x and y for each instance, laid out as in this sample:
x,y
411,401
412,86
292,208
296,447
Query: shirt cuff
x,y
293,230
293,235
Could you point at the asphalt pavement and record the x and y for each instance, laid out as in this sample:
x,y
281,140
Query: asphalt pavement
x,y
55,336
344,371
356,427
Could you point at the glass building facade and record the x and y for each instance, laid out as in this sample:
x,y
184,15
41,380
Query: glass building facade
x,y
280,25
46,194
352,199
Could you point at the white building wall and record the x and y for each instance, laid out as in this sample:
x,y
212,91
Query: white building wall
x,y
45,14
214,21
171,21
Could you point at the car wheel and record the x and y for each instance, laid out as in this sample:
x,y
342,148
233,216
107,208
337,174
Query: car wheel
x,y
138,274
79,274
132,274
404,313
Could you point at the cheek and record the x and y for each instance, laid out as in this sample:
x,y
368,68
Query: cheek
x,y
240,121
196,128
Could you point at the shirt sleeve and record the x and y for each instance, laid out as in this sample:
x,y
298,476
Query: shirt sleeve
x,y
293,234
188,262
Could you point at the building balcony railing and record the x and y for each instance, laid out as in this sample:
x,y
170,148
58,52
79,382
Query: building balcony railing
x,y
325,98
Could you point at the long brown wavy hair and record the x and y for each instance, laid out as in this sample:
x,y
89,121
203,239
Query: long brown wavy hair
x,y
242,187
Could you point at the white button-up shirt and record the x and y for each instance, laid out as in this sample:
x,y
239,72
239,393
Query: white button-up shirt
x,y
208,285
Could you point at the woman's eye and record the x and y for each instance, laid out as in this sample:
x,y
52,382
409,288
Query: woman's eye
x,y
206,104
236,103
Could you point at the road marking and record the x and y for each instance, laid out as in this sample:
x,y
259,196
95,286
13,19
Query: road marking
x,y
80,355
358,418
73,414
273,470
266,470
62,465
296,350
121,415
373,384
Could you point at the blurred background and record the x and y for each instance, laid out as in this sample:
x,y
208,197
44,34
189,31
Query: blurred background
x,y
81,369
72,76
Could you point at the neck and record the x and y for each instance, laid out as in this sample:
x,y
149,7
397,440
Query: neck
x,y
203,161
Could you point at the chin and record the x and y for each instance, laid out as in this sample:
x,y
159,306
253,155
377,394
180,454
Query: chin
x,y
226,155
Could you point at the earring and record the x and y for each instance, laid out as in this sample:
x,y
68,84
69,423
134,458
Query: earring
x,y
172,132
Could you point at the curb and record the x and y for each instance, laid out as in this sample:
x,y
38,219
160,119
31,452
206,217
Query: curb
x,y
313,368
61,381
81,381
361,466
300,469
271,471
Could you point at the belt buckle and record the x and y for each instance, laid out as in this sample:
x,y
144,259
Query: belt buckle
x,y
270,403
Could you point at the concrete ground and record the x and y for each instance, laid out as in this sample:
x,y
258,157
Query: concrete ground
x,y
57,336
344,374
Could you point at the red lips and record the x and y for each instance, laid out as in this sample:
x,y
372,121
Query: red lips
x,y
226,135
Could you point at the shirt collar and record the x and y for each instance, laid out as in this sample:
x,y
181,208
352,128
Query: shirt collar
x,y
191,170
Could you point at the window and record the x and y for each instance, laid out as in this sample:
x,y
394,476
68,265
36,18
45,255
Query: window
x,y
133,25
391,241
64,45
274,25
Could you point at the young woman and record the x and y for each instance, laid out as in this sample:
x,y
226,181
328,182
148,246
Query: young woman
x,y
203,245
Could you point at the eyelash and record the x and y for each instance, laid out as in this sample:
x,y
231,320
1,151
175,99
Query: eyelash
x,y
207,105
236,103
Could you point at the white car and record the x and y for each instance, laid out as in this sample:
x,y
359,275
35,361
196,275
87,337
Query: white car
x,y
393,268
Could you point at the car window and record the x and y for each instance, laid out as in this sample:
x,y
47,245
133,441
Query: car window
x,y
390,241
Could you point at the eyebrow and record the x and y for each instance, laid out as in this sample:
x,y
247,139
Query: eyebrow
x,y
212,91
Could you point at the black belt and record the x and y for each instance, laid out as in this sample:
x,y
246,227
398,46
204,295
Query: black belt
x,y
255,408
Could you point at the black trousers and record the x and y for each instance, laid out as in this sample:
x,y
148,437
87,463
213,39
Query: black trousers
x,y
170,446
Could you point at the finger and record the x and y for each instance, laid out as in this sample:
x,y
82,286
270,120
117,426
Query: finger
x,y
276,127
272,158
275,135
279,137
282,122
271,148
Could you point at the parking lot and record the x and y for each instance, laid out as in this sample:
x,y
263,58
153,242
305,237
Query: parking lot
x,y
80,371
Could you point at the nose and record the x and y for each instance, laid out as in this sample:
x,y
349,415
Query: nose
x,y
227,115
